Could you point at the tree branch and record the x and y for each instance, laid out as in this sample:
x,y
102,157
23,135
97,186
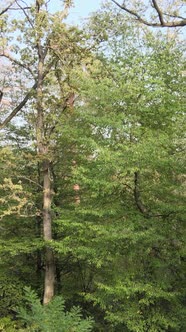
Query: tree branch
x,y
7,8
24,101
141,207
1,95
18,108
137,197
23,9
174,16
133,13
162,23
17,62
30,180
160,15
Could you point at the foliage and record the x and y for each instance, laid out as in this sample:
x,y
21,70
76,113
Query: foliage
x,y
52,316
117,164
126,237
7,325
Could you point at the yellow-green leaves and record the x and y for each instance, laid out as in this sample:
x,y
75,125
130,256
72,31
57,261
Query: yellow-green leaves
x,y
14,200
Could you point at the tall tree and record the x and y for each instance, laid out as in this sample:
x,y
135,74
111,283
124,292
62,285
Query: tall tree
x,y
130,170
96,150
48,51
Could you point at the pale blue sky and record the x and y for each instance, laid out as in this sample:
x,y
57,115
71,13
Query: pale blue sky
x,y
82,9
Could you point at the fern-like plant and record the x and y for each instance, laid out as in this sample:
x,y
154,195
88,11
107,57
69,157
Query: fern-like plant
x,y
52,317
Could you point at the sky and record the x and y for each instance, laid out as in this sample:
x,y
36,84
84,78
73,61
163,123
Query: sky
x,y
82,9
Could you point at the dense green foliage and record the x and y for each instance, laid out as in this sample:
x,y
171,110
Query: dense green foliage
x,y
51,317
118,179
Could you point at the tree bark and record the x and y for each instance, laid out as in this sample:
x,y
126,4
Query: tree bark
x,y
47,234
42,150
47,200
137,195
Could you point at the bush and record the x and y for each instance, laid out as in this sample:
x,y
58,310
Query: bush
x,y
52,317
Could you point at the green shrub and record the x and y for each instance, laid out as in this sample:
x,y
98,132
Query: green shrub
x,y
52,317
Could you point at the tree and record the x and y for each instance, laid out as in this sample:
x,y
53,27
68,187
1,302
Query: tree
x,y
162,17
130,169
109,123
44,58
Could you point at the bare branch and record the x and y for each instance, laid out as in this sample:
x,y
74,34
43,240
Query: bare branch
x,y
174,16
25,3
17,62
162,23
138,17
7,8
27,97
18,108
30,180
23,9
13,8
160,15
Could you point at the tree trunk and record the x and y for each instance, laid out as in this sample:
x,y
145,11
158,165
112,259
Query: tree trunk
x,y
47,234
42,150
47,200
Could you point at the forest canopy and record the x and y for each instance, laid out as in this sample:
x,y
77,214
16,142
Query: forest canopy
x,y
92,160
